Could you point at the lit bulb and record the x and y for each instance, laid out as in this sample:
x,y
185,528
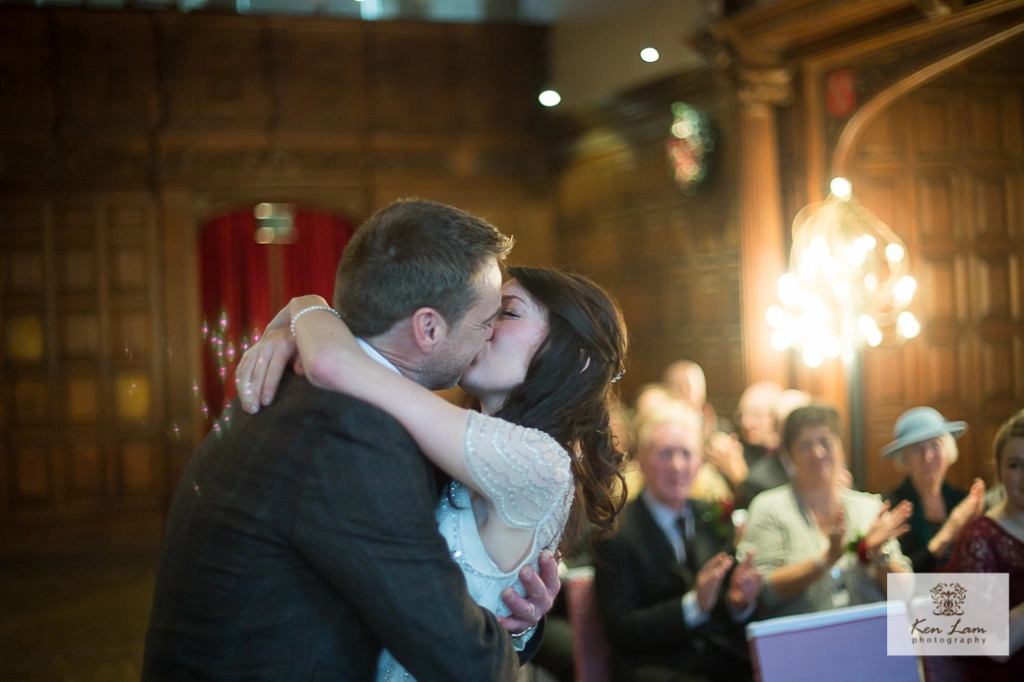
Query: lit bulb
x,y
855,253
775,316
908,325
649,55
788,289
841,187
867,325
904,290
870,281
832,347
818,248
894,253
780,340
812,356
549,98
841,289
808,267
875,338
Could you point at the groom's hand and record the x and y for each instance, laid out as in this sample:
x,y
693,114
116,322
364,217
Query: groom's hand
x,y
541,589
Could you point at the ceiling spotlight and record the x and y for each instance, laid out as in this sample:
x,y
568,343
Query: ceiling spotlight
x,y
649,55
549,98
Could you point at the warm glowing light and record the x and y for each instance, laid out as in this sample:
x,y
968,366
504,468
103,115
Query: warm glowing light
x,y
263,211
650,55
780,339
867,325
847,282
788,289
812,356
841,187
264,235
908,325
549,98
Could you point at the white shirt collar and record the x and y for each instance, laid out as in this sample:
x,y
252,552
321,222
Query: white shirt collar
x,y
667,519
664,516
376,355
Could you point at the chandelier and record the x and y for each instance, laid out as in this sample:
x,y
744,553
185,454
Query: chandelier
x,y
847,284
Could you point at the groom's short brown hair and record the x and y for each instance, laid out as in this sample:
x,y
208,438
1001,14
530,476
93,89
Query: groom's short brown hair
x,y
410,255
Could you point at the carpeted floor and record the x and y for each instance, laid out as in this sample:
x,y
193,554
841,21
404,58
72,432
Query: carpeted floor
x,y
75,618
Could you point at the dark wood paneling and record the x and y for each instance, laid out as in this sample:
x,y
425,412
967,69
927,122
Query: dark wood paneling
x,y
123,132
670,258
953,196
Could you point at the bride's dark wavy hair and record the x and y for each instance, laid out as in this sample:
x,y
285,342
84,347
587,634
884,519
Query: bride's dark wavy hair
x,y
568,391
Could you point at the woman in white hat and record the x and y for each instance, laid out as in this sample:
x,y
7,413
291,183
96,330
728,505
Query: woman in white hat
x,y
925,447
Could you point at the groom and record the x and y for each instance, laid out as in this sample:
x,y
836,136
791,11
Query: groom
x,y
302,540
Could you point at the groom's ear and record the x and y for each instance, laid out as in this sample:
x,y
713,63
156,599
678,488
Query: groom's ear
x,y
429,329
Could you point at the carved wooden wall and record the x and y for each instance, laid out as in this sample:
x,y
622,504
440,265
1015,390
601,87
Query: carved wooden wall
x,y
944,166
672,259
84,414
121,133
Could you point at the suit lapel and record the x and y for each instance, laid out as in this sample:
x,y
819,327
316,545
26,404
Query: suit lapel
x,y
660,546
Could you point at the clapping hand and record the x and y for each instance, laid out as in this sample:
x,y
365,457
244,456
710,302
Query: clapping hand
x,y
725,453
887,525
971,507
709,580
836,535
744,585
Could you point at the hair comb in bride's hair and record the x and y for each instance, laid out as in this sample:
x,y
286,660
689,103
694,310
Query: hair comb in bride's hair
x,y
618,376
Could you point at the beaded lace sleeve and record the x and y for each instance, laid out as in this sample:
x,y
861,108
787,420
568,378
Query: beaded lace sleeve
x,y
525,472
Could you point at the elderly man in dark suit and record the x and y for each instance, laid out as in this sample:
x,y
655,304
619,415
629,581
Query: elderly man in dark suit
x,y
302,540
671,596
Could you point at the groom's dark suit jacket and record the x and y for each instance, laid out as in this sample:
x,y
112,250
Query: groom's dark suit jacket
x,y
639,585
299,542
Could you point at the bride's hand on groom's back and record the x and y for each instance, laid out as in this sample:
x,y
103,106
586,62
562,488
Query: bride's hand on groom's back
x,y
259,372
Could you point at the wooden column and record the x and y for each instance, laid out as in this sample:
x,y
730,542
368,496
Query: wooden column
x,y
762,243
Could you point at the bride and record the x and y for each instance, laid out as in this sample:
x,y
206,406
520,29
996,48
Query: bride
x,y
538,457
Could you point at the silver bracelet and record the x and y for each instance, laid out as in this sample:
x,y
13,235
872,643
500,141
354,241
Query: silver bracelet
x,y
310,309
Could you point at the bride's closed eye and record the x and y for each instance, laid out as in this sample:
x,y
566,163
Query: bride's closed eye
x,y
509,313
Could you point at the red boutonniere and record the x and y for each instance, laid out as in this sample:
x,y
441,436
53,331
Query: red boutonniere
x,y
719,517
858,546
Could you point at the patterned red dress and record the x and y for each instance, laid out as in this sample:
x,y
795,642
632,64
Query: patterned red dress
x,y
983,546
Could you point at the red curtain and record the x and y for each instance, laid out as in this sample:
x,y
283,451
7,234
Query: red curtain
x,y
236,289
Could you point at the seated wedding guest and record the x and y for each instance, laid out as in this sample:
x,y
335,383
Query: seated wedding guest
x,y
709,484
994,543
818,544
650,397
669,592
723,455
733,456
755,420
773,468
686,381
925,447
